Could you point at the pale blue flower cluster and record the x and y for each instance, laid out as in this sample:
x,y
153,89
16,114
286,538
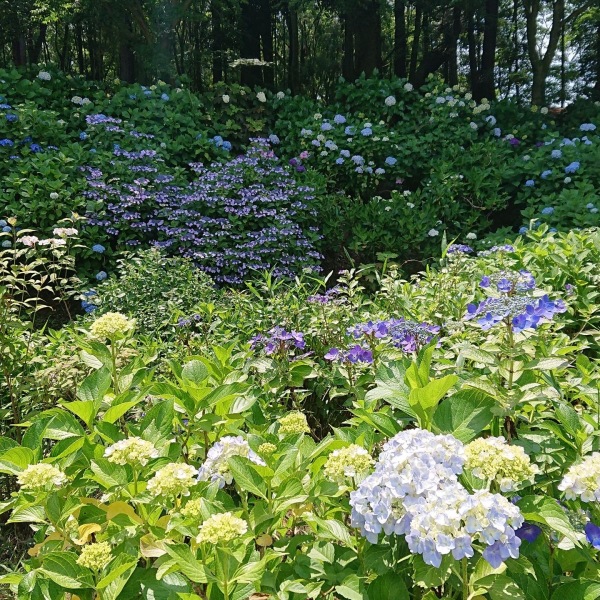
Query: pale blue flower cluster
x,y
215,467
414,491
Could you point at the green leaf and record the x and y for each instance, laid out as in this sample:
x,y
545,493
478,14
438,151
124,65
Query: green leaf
x,y
121,569
390,386
545,510
388,587
379,421
189,565
429,396
84,409
577,590
547,364
15,460
351,588
94,386
195,372
63,570
246,477
477,355
465,414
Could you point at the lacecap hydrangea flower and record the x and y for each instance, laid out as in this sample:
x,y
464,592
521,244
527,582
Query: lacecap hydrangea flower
x,y
222,528
352,462
215,467
131,451
41,476
583,480
173,479
494,460
293,423
110,325
95,556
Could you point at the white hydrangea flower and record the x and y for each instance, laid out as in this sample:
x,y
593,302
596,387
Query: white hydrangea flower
x,y
493,459
471,236
215,467
111,324
29,240
131,451
583,480
44,76
390,101
222,528
352,462
53,195
225,98
280,95
408,87
433,232
42,476
64,231
261,97
172,480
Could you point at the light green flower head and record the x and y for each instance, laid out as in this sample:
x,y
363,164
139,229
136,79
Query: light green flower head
x,y
293,423
95,556
493,459
222,528
172,480
352,462
110,325
131,451
41,477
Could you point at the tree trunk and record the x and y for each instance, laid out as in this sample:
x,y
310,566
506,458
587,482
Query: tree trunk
x,y
218,46
293,56
399,39
257,42
473,55
596,90
39,43
540,65
487,89
367,53
348,57
414,52
453,54
19,50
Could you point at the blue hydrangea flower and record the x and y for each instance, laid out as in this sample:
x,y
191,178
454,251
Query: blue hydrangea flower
x,y
572,168
350,130
101,276
164,97
339,119
3,223
367,131
345,153
35,148
6,244
548,210
357,159
339,161
592,534
587,127
530,183
6,229
523,230
326,126
98,248
528,532
83,136
391,161
546,174
11,118
274,139
226,145
556,153
6,142
379,171
497,131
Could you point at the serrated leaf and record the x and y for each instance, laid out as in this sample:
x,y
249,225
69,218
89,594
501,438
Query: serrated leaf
x,y
62,568
246,477
195,372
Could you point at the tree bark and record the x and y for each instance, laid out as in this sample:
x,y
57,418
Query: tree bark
x,y
348,56
399,38
487,88
414,52
218,45
294,45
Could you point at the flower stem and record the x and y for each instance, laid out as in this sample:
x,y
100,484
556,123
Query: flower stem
x,y
465,578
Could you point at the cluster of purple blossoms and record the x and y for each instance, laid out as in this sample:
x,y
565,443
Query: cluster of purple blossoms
x,y
182,322
495,249
509,282
513,306
459,249
355,354
278,341
409,336
234,219
331,296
